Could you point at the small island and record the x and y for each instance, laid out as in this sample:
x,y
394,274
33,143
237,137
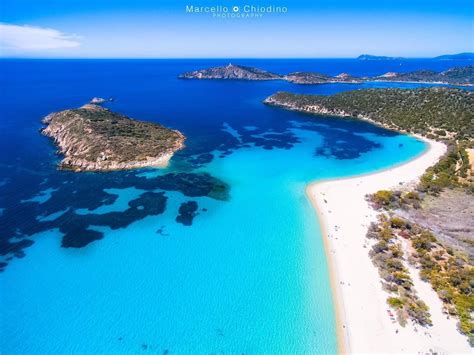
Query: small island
x,y
93,138
231,72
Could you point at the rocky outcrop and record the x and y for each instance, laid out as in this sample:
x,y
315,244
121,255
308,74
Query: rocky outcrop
x,y
93,138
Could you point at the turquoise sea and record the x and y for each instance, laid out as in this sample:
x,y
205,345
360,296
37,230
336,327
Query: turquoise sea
x,y
99,263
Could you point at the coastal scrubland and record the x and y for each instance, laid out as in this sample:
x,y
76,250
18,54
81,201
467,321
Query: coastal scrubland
x,y
95,138
437,113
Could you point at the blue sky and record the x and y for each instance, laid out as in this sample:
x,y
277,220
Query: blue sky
x,y
163,29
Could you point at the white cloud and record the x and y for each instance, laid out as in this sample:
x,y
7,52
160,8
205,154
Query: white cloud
x,y
31,38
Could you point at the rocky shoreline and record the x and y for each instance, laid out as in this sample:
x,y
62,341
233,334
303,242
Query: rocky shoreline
x,y
316,109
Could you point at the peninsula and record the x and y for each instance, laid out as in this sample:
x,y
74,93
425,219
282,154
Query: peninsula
x,y
93,138
461,76
432,112
405,239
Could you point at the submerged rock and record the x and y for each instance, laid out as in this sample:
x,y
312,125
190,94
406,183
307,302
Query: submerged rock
x,y
187,212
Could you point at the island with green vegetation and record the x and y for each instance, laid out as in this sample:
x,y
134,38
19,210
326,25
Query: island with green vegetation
x,y
93,138
460,76
430,225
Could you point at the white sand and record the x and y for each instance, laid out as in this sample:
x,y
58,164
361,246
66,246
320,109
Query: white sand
x,y
364,325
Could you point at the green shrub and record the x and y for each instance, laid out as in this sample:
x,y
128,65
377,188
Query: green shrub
x,y
395,302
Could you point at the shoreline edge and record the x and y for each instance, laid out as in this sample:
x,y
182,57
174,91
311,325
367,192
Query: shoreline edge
x,y
361,318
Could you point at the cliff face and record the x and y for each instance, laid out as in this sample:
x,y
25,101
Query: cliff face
x,y
93,138
236,72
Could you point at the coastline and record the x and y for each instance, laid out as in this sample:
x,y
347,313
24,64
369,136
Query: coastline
x,y
343,339
362,322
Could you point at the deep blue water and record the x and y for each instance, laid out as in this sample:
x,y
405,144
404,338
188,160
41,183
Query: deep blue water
x,y
101,263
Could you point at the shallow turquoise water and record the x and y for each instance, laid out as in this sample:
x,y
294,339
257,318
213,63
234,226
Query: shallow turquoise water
x,y
248,276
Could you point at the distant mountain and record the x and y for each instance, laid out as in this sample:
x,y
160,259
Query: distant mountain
x,y
231,72
462,75
377,57
459,56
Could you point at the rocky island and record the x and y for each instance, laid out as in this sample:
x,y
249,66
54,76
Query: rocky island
x,y
462,76
231,72
93,138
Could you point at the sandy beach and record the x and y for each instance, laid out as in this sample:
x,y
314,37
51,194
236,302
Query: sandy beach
x,y
364,325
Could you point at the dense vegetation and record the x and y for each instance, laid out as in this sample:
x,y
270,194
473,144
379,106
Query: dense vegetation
x,y
452,170
435,112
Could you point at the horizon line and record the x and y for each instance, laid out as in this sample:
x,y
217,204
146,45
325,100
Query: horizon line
x,y
391,58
